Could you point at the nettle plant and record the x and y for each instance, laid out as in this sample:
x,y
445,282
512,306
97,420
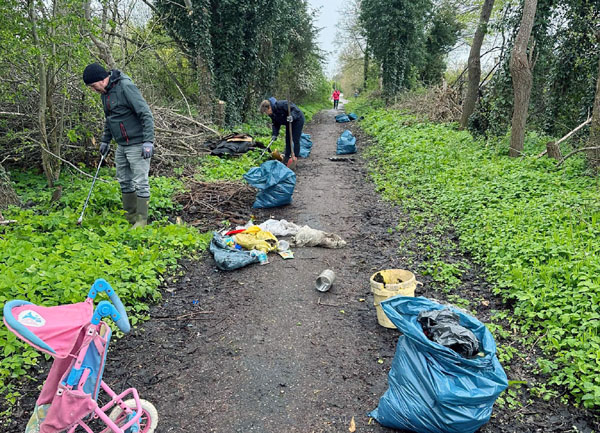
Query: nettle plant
x,y
534,229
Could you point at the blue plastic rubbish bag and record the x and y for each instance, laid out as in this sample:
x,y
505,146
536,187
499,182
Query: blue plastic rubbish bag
x,y
275,181
228,259
352,116
432,389
346,143
342,118
305,145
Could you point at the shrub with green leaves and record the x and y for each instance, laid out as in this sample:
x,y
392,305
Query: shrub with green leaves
x,y
535,229
47,259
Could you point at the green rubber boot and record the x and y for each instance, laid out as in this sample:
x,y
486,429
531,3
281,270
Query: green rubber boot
x,y
142,212
130,206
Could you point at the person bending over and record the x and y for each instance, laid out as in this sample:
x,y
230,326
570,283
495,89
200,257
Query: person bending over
x,y
277,110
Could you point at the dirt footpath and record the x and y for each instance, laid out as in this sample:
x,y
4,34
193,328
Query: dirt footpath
x,y
260,350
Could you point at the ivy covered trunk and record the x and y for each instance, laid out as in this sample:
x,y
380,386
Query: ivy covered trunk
x,y
521,67
366,68
594,155
474,64
7,193
205,94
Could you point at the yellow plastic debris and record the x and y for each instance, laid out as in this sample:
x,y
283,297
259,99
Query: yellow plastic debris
x,y
256,238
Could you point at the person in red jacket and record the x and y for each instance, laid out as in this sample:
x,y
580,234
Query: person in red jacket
x,y
336,98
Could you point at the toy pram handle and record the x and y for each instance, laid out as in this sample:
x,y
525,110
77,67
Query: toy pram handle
x,y
101,285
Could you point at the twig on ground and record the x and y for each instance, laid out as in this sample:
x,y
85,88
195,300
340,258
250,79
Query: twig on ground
x,y
183,316
327,305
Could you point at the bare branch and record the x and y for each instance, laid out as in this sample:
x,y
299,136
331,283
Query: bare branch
x,y
189,119
63,160
589,119
583,149
8,113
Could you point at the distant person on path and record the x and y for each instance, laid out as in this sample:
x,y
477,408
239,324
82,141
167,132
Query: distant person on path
x,y
130,122
277,110
336,98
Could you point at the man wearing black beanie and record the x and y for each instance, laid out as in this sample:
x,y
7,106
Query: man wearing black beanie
x,y
130,123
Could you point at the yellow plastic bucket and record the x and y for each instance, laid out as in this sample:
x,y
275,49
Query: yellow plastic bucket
x,y
395,282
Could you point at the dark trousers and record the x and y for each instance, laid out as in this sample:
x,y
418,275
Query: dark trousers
x,y
335,103
297,126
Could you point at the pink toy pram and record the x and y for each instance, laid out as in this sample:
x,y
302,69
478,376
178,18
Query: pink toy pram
x,y
77,339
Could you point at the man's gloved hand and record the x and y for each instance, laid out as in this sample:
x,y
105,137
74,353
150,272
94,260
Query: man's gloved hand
x,y
147,150
274,138
104,148
290,119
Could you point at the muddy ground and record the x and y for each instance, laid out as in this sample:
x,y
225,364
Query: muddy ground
x,y
260,350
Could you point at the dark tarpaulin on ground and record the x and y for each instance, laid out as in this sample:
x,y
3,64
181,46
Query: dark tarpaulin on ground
x,y
233,144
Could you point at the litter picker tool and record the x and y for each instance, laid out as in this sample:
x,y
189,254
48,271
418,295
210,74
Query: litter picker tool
x,y
91,188
293,160
267,148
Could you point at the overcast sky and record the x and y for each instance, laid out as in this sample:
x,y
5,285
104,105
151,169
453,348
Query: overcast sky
x,y
326,21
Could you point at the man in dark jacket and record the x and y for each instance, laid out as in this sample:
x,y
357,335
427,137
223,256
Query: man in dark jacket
x,y
130,123
278,112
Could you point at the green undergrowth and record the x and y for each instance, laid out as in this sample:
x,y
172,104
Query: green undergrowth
x,y
535,230
47,259
212,168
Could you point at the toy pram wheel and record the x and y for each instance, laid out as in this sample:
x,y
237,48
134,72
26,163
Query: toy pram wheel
x,y
148,421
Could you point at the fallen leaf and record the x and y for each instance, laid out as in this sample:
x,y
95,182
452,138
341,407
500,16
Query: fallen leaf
x,y
361,299
352,427
485,303
178,220
342,311
380,361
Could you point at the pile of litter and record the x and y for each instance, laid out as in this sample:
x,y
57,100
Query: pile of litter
x,y
251,243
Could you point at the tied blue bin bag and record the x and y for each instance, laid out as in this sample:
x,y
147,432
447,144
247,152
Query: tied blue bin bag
x,y
346,143
275,181
433,389
342,118
305,145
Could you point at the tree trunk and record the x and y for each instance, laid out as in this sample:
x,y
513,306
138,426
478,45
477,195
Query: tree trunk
x,y
103,49
474,64
205,99
594,155
553,150
7,193
366,68
521,67
43,99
